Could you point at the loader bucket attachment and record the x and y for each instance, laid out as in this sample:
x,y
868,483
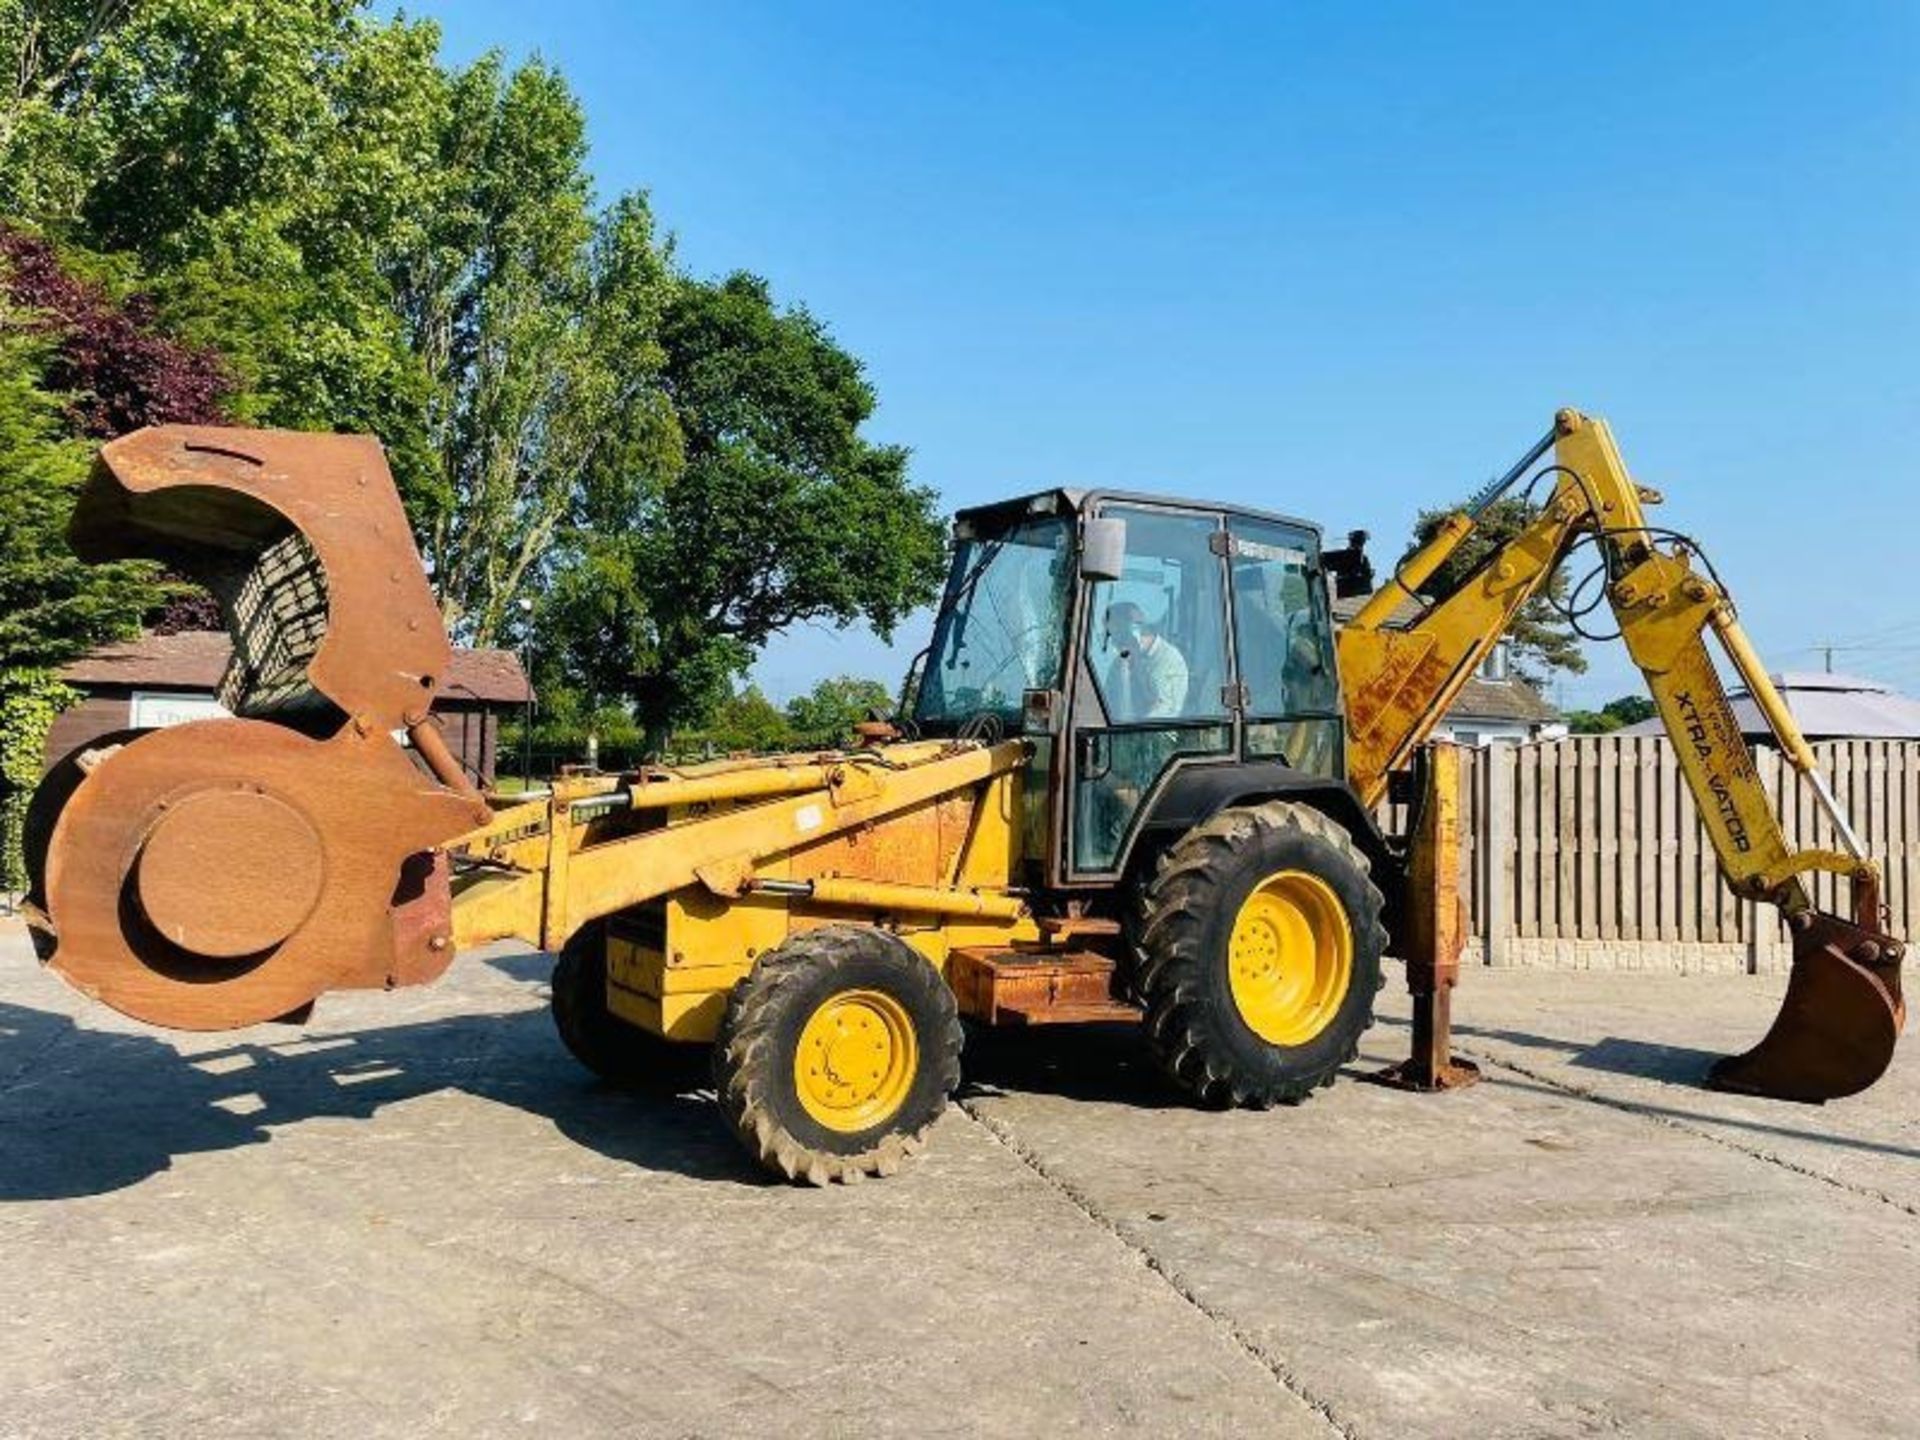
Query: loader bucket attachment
x,y
227,871
1838,1023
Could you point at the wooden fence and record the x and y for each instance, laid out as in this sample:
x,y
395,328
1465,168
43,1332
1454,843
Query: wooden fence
x,y
1588,852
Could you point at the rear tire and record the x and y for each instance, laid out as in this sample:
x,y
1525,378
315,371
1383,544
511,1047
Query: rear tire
x,y
616,1050
836,1054
1260,955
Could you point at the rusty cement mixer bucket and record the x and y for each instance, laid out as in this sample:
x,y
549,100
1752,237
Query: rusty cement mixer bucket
x,y
228,871
1839,1021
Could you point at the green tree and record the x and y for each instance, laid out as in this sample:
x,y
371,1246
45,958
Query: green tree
x,y
826,715
77,365
672,470
255,166
761,506
1541,640
1630,709
30,701
1591,722
538,322
746,721
374,243
52,607
782,511
1615,714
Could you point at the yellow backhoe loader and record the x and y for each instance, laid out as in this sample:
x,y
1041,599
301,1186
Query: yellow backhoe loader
x,y
1134,779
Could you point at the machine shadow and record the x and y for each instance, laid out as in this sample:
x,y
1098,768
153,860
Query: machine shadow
x,y
1100,1064
1681,1067
1675,1064
88,1112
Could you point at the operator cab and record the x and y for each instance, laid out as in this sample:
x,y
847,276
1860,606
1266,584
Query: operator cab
x,y
1134,639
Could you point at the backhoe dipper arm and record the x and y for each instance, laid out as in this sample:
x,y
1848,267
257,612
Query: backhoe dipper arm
x,y
1843,1010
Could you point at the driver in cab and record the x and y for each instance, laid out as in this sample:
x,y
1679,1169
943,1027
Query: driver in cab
x,y
1147,677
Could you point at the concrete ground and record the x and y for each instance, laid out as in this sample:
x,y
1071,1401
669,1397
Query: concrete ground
x,y
418,1217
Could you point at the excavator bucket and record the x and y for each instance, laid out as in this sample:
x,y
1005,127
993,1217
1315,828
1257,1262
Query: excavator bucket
x,y
1838,1023
227,871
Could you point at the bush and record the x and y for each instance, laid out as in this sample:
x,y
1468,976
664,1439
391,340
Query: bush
x,y
30,701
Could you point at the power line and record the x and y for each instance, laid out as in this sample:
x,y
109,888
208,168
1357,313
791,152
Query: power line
x,y
1866,637
1828,649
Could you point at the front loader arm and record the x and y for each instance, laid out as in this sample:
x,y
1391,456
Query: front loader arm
x,y
1843,1010
322,835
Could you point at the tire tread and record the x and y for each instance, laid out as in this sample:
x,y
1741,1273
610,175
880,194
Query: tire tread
x,y
746,1059
1174,969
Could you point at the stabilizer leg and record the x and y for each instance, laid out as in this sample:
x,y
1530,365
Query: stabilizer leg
x,y
1434,926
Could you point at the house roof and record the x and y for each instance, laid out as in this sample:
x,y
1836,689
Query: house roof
x,y
1404,613
196,659
1825,707
1511,699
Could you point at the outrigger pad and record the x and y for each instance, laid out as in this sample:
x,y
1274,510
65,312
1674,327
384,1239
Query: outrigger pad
x,y
1837,1026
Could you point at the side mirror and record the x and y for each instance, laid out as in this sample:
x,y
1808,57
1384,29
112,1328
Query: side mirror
x,y
1103,548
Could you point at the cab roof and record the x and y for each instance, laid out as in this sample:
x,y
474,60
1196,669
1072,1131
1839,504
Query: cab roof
x,y
1076,501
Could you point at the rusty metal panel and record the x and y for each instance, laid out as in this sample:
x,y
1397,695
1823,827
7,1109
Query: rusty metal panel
x,y
220,505
915,847
1011,987
225,872
241,820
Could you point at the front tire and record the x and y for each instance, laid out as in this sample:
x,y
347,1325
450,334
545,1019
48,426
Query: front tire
x,y
1260,955
836,1054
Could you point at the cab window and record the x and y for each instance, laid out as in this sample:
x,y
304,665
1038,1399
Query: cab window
x,y
1282,622
1157,636
1003,628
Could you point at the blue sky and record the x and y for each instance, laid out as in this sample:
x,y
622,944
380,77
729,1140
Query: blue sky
x,y
1337,259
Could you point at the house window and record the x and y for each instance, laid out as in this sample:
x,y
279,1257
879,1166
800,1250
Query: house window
x,y
1466,737
1494,667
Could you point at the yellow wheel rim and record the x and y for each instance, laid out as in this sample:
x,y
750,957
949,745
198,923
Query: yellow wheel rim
x,y
1290,958
856,1060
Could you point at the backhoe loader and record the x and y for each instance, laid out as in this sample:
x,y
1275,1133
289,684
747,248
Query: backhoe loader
x,y
1134,779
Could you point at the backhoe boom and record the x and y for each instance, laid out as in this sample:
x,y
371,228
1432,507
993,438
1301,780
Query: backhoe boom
x,y
1843,1009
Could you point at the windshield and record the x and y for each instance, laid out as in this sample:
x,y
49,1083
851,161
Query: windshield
x,y
1003,627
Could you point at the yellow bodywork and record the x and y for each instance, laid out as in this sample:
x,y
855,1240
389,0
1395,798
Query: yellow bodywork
x,y
680,878
703,869
1399,682
697,872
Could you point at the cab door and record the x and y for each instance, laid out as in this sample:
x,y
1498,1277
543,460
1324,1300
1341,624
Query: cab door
x,y
1283,647
1154,686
